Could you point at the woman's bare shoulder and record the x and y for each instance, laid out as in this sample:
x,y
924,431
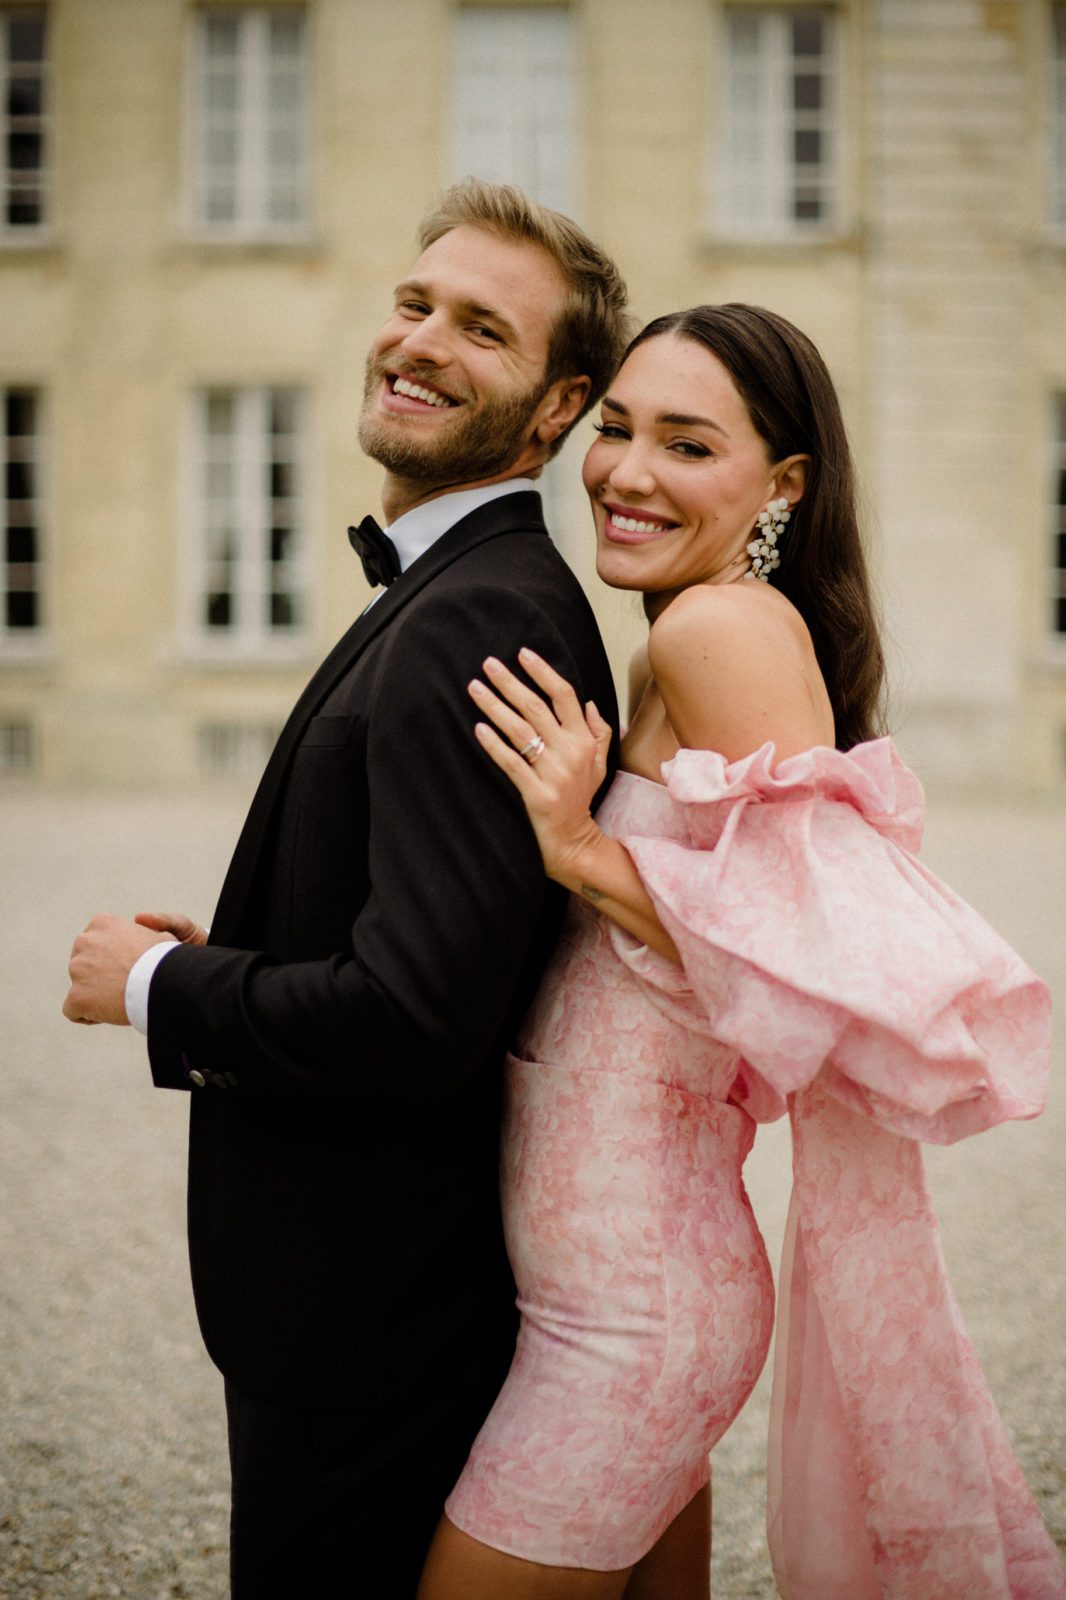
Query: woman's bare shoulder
x,y
710,623
734,663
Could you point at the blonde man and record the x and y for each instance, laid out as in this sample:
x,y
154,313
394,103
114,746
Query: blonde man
x,y
382,925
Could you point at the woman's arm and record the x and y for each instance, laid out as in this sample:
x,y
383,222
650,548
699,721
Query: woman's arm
x,y
733,673
557,790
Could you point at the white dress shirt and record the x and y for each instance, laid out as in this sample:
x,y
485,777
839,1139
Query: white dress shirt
x,y
412,533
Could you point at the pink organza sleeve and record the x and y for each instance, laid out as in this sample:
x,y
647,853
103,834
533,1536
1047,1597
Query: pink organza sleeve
x,y
816,944
867,998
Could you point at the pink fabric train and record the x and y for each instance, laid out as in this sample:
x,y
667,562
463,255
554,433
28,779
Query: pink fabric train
x,y
824,971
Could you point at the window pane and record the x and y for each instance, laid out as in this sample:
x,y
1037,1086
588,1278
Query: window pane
x,y
221,93
25,96
24,151
220,34
743,26
219,412
807,207
286,35
807,146
218,612
807,91
282,411
21,609
282,480
19,480
25,39
808,33
21,545
282,611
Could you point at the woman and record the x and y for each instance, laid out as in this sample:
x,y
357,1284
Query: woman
x,y
749,931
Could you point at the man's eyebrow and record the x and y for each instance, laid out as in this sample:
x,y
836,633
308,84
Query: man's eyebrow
x,y
672,419
467,308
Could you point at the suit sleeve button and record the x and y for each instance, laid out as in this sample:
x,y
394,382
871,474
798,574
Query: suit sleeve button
x,y
198,1078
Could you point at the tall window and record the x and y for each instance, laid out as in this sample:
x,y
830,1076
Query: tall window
x,y
249,133
776,166
1058,116
21,572
515,100
249,590
22,84
1057,617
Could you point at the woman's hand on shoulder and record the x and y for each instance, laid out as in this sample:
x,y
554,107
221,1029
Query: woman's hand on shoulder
x,y
553,749
729,662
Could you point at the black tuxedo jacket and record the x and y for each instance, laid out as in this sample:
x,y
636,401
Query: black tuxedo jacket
x,y
382,927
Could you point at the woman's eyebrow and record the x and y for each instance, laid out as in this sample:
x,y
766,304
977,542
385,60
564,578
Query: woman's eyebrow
x,y
672,419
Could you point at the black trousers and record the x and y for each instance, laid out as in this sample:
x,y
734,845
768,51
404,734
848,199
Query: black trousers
x,y
343,1505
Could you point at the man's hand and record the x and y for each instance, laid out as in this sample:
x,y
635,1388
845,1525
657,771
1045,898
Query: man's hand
x,y
184,929
100,963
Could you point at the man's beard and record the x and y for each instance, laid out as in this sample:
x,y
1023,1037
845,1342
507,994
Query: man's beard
x,y
479,444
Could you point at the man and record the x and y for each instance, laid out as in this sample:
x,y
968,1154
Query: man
x,y
382,926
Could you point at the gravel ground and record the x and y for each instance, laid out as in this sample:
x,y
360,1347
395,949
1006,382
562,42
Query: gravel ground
x,y
112,1442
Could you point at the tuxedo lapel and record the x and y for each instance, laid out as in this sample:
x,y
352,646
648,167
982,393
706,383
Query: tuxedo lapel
x,y
509,514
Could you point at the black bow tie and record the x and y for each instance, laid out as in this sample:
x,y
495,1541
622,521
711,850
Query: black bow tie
x,y
381,561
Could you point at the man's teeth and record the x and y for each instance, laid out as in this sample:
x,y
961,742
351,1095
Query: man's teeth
x,y
415,391
632,525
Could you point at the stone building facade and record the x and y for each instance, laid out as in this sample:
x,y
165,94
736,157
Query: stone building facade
x,y
205,207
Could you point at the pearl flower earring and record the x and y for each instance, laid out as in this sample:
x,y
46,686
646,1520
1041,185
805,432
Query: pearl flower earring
x,y
763,547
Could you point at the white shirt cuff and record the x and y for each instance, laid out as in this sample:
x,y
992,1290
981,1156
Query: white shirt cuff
x,y
139,981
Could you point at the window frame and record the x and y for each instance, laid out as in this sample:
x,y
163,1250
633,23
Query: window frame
x,y
837,175
15,233
565,192
1053,564
1055,142
253,172
249,640
27,643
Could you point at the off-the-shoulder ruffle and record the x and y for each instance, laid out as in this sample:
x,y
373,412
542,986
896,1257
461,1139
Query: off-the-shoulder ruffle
x,y
871,778
816,944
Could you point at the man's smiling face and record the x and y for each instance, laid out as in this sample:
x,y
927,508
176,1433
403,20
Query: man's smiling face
x,y
455,379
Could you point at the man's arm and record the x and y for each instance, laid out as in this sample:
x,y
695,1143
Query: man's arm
x,y
413,1006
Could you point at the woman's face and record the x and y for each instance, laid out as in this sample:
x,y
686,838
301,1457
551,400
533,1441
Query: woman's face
x,y
678,474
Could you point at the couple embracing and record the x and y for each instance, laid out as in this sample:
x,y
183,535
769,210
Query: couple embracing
x,y
402,1018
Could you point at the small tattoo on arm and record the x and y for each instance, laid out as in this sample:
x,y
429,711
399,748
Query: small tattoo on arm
x,y
590,892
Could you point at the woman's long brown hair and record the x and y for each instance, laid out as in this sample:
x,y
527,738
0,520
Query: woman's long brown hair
x,y
794,407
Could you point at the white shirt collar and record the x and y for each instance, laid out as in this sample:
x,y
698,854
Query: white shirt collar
x,y
414,531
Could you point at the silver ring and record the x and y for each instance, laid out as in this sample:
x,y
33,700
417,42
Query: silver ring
x,y
536,746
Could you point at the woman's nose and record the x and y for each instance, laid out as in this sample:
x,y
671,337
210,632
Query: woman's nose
x,y
631,473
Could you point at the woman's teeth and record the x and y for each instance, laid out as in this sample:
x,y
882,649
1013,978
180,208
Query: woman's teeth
x,y
632,525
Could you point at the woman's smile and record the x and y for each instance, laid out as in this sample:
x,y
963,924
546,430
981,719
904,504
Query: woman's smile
x,y
631,525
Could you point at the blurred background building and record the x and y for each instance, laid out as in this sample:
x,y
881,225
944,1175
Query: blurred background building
x,y
204,208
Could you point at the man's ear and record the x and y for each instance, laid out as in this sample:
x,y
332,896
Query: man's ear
x,y
559,407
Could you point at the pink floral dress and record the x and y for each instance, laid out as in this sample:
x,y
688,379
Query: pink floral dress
x,y
824,972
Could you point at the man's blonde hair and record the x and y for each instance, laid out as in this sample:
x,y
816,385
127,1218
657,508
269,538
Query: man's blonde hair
x,y
592,330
